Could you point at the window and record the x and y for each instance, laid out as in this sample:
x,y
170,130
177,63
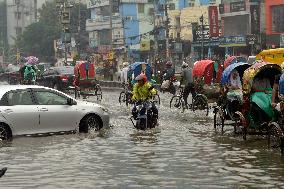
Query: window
x,y
18,15
277,18
17,97
50,98
141,8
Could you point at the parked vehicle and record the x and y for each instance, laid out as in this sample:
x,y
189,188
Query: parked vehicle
x,y
34,110
60,78
145,116
85,82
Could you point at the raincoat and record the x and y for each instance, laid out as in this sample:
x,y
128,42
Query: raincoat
x,y
29,73
143,92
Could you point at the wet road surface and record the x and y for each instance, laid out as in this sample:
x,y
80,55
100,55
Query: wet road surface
x,y
183,152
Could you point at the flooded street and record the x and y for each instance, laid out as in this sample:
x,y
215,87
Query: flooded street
x,y
183,152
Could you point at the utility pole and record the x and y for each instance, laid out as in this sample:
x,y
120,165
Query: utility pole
x,y
167,31
17,31
79,29
110,23
202,36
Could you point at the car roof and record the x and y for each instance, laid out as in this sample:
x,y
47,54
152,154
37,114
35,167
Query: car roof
x,y
6,88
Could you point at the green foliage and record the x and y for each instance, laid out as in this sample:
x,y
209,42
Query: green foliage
x,y
38,38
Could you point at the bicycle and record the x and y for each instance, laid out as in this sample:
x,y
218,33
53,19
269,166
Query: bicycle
x,y
199,102
125,95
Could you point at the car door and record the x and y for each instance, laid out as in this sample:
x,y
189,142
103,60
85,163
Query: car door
x,y
21,112
55,114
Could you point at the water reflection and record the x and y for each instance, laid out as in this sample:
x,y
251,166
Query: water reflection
x,y
183,152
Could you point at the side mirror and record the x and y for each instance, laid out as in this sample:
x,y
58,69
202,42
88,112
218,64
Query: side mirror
x,y
71,102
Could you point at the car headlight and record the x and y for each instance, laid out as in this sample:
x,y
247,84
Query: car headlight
x,y
104,109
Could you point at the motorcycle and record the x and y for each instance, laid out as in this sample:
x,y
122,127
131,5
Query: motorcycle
x,y
144,115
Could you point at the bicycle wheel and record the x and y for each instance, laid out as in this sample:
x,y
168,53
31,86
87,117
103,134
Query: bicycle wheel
x,y
175,102
156,99
122,97
99,93
200,105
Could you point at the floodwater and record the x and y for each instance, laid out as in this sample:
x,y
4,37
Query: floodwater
x,y
183,152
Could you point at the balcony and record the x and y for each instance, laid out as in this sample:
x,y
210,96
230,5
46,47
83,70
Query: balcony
x,y
102,23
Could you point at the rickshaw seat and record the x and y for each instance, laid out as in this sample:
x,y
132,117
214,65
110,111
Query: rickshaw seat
x,y
263,101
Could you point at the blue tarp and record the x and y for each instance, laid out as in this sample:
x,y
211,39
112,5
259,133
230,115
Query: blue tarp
x,y
136,69
226,73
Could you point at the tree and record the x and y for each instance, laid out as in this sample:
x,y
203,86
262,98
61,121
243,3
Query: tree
x,y
38,38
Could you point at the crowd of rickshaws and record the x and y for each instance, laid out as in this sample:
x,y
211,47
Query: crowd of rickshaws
x,y
249,110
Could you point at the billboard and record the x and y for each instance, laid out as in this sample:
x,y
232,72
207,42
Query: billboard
x,y
241,27
213,21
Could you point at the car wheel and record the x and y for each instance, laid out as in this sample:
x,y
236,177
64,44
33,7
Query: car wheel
x,y
90,122
5,133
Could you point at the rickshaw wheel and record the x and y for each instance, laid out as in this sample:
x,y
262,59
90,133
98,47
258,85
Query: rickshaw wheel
x,y
219,121
175,102
200,102
156,99
77,92
98,92
122,97
239,122
275,137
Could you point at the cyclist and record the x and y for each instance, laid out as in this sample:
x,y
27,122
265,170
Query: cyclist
x,y
168,74
187,79
142,91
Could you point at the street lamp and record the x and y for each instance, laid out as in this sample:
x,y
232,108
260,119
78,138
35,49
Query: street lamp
x,y
201,19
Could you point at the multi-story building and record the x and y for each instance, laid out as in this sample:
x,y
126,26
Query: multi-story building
x,y
274,27
20,14
129,25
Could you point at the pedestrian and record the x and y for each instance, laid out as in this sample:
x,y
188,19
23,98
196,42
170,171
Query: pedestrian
x,y
187,79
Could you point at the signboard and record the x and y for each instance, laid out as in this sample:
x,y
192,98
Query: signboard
x,y
213,21
282,40
251,39
97,3
255,19
232,41
238,6
145,45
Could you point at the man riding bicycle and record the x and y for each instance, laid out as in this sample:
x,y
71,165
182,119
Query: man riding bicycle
x,y
187,77
143,91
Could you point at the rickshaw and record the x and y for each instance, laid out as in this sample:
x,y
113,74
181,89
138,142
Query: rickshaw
x,y
275,56
229,61
276,126
204,70
229,101
134,70
85,82
256,111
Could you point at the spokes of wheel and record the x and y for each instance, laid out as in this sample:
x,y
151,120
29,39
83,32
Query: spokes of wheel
x,y
200,105
156,99
175,102
219,122
98,92
275,139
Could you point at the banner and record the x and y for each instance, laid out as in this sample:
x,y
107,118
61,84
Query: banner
x,y
255,19
238,6
145,45
213,21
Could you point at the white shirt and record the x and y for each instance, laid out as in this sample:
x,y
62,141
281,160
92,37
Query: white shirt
x,y
124,75
236,82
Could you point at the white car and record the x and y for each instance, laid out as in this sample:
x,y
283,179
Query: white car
x,y
34,110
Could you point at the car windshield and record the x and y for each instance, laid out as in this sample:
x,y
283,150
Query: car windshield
x,y
65,70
